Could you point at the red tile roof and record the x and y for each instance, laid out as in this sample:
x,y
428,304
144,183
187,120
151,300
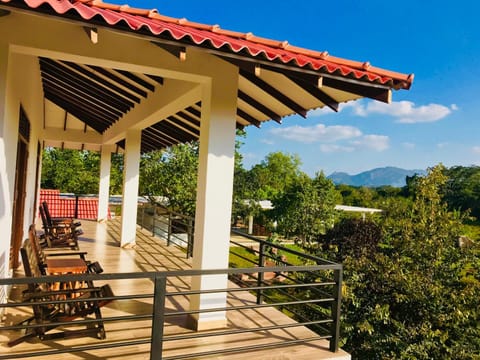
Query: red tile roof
x,y
63,207
212,36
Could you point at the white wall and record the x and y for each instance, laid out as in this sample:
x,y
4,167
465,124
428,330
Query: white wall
x,y
20,84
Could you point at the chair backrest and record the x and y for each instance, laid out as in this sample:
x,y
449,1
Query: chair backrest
x,y
36,247
31,266
46,211
44,217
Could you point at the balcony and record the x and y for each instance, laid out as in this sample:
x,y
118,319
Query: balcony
x,y
149,317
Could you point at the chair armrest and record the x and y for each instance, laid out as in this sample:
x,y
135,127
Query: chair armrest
x,y
62,252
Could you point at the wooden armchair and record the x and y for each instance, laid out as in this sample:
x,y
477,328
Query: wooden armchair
x,y
58,234
43,253
72,301
70,222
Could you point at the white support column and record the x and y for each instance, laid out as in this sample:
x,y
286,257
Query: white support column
x,y
104,186
214,196
250,224
130,186
5,213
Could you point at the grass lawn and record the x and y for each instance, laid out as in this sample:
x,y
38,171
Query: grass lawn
x,y
242,258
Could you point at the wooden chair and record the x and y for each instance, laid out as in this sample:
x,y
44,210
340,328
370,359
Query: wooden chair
x,y
58,234
42,253
71,222
80,302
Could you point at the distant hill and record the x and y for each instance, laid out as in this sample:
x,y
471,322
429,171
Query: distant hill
x,y
389,175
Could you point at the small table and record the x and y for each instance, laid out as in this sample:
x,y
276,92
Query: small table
x,y
63,266
56,266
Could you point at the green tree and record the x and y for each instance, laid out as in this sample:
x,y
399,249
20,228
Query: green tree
x,y
170,176
417,296
78,172
305,208
116,174
275,173
462,189
70,171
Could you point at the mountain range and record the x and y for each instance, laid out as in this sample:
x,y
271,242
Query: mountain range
x,y
389,175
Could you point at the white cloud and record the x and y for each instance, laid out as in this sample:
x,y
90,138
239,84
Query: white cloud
x,y
331,148
317,133
372,142
333,138
442,145
406,112
476,149
267,141
408,145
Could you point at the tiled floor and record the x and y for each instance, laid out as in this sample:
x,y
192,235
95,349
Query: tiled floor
x,y
100,240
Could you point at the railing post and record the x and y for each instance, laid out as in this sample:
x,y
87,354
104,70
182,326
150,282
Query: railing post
x,y
169,230
190,238
336,308
75,215
261,263
153,221
158,317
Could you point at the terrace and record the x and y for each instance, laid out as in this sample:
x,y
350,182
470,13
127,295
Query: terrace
x,y
66,81
254,328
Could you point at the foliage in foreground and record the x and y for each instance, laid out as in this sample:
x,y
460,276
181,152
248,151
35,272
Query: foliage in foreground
x,y
415,294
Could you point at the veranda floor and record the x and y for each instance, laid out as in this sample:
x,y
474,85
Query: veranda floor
x,y
100,240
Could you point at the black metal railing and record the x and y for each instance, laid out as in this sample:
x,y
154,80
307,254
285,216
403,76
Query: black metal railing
x,y
312,293
175,228
262,253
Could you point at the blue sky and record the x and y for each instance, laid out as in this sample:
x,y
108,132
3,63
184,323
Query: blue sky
x,y
437,120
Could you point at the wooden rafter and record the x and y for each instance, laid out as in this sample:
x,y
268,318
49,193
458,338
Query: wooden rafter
x,y
101,82
269,89
68,92
371,91
188,118
137,79
248,118
317,93
82,84
259,106
119,80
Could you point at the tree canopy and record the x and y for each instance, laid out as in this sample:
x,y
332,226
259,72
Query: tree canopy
x,y
170,177
417,295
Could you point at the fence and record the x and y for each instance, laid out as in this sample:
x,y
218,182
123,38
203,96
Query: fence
x,y
314,301
175,228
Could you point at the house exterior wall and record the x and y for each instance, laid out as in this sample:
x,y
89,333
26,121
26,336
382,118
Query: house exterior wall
x,y
200,76
20,85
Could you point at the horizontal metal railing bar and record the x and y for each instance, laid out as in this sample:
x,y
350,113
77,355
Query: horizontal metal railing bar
x,y
152,275
77,322
242,331
298,253
75,349
245,289
79,299
60,301
244,348
246,307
